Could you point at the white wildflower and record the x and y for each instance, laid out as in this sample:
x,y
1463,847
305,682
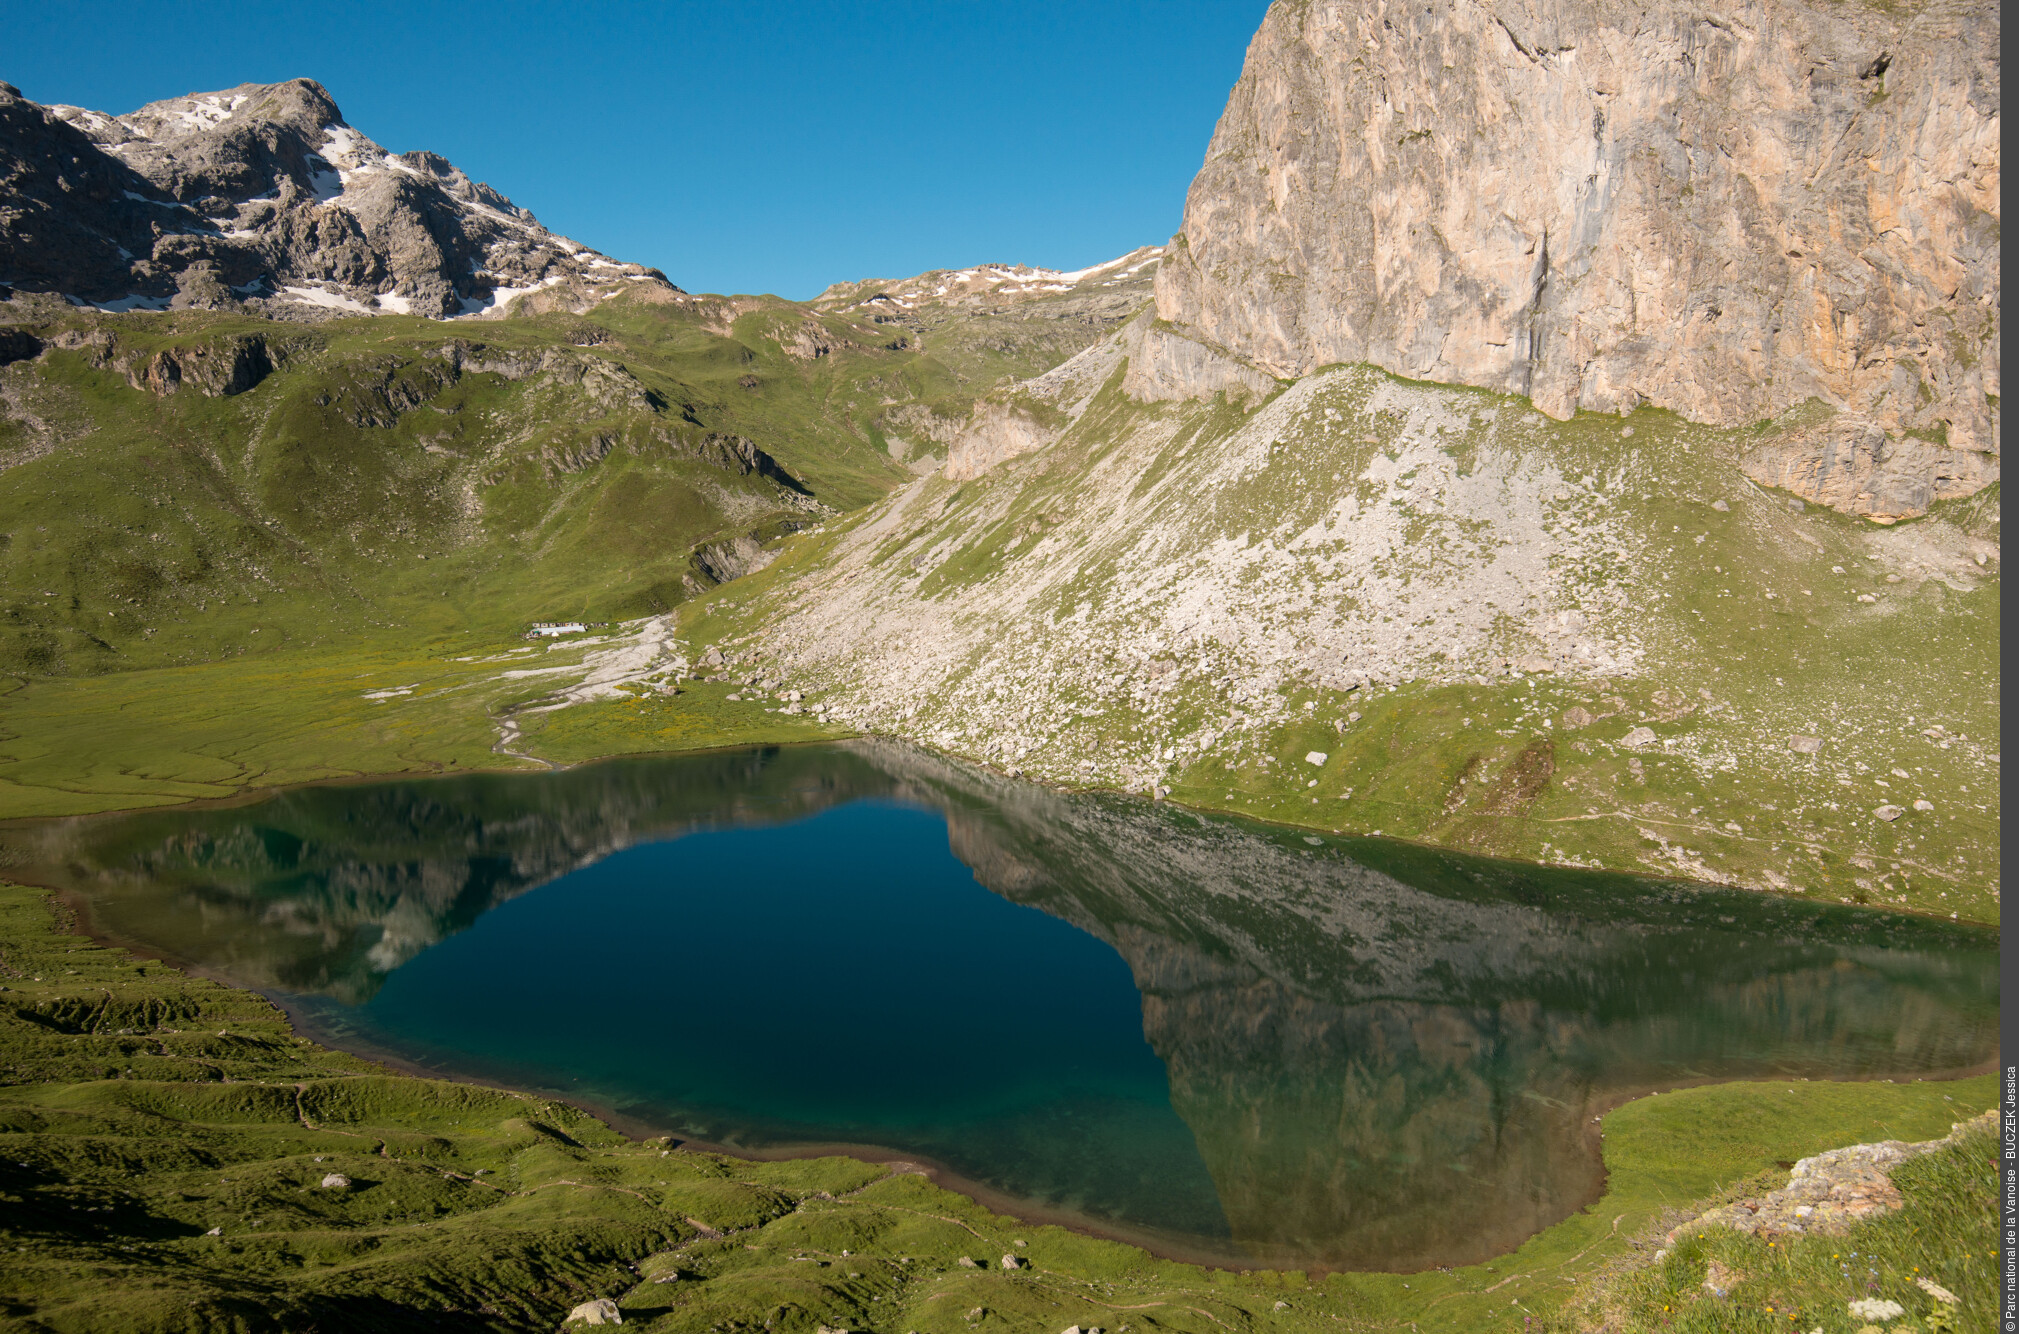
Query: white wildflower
x,y
1936,1290
1877,1308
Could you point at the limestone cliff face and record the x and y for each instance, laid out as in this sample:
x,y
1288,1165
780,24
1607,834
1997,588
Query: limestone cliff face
x,y
1724,210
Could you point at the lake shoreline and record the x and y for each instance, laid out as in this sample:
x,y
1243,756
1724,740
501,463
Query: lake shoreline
x,y
1182,1248
252,796
1163,1245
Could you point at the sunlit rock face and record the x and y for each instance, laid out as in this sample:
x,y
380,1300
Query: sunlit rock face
x,y
1721,211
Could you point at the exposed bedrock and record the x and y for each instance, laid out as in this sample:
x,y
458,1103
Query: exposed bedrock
x,y
1724,211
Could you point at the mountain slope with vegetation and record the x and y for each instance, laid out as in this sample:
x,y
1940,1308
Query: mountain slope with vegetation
x,y
1375,605
1700,573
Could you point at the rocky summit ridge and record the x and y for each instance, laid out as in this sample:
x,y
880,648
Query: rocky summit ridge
x,y
993,283
263,198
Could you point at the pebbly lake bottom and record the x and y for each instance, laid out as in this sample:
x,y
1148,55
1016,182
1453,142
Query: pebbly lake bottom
x,y
1228,1041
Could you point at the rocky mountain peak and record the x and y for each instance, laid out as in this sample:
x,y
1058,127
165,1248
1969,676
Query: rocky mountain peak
x,y
262,196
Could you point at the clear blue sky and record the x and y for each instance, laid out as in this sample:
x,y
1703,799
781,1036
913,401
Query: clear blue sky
x,y
738,147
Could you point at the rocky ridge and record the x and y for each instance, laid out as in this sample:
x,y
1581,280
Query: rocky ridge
x,y
1219,538
1721,212
993,284
262,198
993,326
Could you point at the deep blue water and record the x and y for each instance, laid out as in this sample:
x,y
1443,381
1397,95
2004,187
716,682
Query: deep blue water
x,y
843,978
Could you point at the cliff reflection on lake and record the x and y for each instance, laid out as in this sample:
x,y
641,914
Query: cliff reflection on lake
x,y
1384,1056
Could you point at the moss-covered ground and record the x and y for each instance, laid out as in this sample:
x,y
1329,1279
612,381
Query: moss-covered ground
x,y
163,1143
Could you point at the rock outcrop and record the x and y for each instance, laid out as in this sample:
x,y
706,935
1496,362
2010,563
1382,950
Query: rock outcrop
x,y
1828,1193
1165,366
1856,468
1723,211
1156,365
215,369
262,197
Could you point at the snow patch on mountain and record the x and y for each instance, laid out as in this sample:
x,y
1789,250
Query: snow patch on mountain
x,y
987,280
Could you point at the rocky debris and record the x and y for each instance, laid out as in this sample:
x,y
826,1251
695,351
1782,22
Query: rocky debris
x,y
262,197
601,1311
1722,218
1638,737
1827,1193
968,1262
1014,1262
1316,757
336,1181
1576,717
1806,745
1888,813
1344,577
1721,507
1922,804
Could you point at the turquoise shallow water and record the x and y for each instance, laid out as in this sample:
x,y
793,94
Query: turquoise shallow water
x,y
1231,1041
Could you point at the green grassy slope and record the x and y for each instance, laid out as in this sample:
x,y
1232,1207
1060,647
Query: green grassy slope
x,y
371,488
1463,608
141,1109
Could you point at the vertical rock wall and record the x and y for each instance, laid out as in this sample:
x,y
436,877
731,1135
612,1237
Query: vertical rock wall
x,y
1720,209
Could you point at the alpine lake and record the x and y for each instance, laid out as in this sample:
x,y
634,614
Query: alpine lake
x,y
1229,1042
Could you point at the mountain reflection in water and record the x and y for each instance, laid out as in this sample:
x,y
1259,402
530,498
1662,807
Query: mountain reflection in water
x,y
1387,1057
